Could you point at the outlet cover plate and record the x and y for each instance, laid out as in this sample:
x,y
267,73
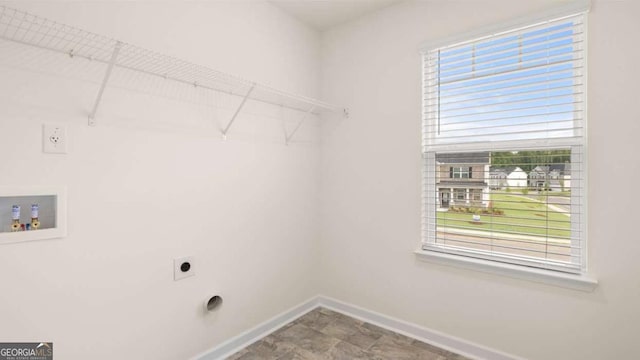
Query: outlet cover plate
x,y
54,138
178,272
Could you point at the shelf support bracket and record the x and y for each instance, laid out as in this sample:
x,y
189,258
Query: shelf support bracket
x,y
304,117
235,115
107,75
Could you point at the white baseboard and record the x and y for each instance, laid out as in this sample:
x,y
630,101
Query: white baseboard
x,y
429,336
433,337
250,336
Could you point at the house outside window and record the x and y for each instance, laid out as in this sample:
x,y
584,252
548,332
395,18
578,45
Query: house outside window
x,y
504,145
466,173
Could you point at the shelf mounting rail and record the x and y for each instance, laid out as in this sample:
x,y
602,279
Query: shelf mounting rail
x,y
24,28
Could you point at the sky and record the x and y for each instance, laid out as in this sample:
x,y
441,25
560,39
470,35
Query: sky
x,y
520,85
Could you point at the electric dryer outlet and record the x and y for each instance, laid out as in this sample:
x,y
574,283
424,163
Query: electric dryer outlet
x,y
183,267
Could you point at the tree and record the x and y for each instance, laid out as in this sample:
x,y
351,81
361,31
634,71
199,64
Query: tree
x,y
528,160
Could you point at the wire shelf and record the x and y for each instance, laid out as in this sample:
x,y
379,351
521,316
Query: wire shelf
x,y
24,28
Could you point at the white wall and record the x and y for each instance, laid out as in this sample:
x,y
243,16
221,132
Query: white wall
x,y
153,181
371,189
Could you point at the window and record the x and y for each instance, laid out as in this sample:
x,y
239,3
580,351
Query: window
x,y
508,106
460,172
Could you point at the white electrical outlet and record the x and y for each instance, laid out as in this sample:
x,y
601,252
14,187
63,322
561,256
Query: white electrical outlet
x,y
183,267
54,138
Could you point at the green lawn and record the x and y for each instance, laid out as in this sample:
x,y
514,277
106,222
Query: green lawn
x,y
521,215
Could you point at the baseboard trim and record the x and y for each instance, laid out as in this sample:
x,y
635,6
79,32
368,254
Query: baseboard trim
x,y
433,337
252,335
429,336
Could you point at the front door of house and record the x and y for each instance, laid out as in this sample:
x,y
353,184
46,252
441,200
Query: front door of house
x,y
444,199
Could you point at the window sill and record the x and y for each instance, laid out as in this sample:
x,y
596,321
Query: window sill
x,y
570,281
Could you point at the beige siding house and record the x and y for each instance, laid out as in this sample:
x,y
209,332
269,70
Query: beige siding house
x,y
462,179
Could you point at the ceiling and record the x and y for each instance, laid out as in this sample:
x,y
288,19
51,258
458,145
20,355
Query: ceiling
x,y
324,14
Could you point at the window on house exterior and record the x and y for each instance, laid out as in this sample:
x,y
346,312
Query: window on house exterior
x,y
508,103
476,195
460,172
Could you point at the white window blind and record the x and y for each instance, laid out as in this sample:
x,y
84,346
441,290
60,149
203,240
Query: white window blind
x,y
503,146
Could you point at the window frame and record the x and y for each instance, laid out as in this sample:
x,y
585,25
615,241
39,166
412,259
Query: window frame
x,y
578,197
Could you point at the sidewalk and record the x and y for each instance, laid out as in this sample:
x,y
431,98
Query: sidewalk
x,y
503,236
552,207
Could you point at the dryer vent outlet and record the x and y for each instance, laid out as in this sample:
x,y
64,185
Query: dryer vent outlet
x,y
213,303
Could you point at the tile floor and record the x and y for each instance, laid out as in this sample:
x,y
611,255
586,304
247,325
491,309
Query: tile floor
x,y
325,334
